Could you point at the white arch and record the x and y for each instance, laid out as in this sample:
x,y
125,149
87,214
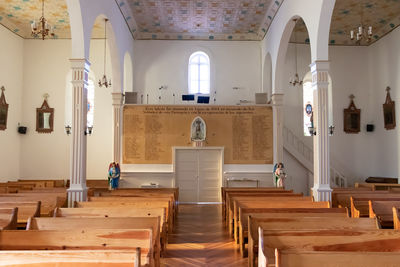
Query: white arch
x,y
316,14
77,29
119,37
128,73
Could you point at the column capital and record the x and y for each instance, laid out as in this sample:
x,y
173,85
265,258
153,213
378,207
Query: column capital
x,y
79,63
117,98
320,65
320,72
277,99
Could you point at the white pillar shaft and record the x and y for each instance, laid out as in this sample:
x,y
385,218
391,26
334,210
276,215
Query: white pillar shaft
x,y
80,73
320,78
277,109
117,113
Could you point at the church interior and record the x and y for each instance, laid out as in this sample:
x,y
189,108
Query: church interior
x,y
199,133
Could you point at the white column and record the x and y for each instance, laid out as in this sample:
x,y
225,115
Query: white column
x,y
80,72
320,82
117,113
277,109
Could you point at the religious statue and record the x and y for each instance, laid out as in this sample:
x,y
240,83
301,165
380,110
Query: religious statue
x,y
198,130
279,175
113,175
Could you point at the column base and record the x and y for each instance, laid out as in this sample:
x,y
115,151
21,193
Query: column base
x,y
76,194
322,192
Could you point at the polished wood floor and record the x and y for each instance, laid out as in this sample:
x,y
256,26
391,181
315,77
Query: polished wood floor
x,y
200,239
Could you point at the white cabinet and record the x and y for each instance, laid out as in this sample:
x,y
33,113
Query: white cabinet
x,y
198,173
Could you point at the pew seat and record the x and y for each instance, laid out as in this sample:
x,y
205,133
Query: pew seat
x,y
25,210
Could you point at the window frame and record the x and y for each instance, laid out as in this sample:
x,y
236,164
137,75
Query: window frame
x,y
199,53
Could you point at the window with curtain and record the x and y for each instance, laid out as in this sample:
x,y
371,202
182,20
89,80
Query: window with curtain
x,y
199,73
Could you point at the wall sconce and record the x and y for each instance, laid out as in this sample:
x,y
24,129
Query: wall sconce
x,y
89,130
68,129
312,131
331,129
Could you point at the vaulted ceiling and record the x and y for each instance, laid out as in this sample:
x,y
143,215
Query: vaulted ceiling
x,y
199,19
205,19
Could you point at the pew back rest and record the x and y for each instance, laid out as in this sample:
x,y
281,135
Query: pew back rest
x,y
77,258
25,209
112,212
380,208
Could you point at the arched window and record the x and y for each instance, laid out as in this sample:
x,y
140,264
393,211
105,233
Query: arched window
x,y
199,73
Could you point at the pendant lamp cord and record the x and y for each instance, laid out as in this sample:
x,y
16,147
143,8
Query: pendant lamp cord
x,y
105,44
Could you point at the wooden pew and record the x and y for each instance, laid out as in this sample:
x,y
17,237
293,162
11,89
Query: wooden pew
x,y
57,223
343,198
305,223
230,203
249,190
48,183
67,258
284,258
383,212
93,239
133,192
396,218
49,201
104,212
360,205
280,202
157,197
130,205
378,186
25,210
244,213
230,197
329,240
8,218
165,201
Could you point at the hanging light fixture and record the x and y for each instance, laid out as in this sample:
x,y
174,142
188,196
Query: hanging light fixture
x,y
42,28
362,32
296,80
104,81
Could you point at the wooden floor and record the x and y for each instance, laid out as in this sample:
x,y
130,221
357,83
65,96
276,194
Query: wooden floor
x,y
200,239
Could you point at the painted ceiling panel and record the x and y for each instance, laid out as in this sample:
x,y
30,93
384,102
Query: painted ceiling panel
x,y
17,15
382,15
205,19
199,19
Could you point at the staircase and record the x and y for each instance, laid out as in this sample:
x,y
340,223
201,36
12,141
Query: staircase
x,y
304,154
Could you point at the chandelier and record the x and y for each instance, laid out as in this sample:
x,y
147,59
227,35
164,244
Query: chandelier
x,y
362,32
42,28
296,80
104,81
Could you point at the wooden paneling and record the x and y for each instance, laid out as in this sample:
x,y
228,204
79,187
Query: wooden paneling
x,y
150,132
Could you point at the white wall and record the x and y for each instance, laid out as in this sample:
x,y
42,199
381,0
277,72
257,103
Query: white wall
x,y
11,77
364,72
45,68
233,64
384,70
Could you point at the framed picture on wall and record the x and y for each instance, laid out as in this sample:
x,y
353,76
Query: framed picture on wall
x,y
351,118
389,115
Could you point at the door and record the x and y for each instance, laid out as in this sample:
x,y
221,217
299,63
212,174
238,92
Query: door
x,y
198,174
209,175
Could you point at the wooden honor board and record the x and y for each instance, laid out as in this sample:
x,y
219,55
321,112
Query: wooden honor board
x,y
151,131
